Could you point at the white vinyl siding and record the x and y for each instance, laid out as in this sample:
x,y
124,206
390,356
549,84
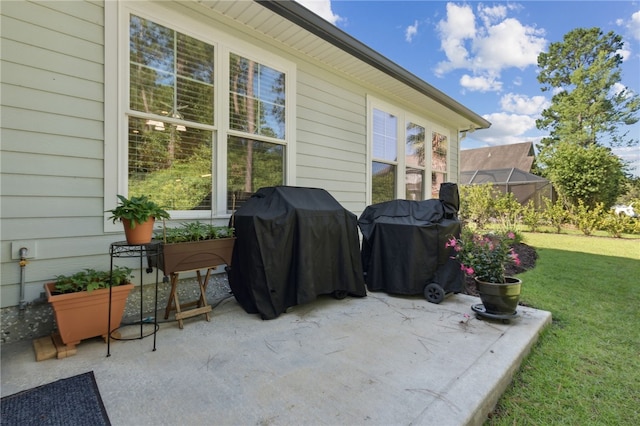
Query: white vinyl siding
x,y
52,140
331,142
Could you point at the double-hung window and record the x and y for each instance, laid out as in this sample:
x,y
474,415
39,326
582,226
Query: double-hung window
x,y
208,118
171,120
403,165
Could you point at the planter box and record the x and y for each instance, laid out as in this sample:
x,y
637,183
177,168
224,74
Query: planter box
x,y
83,315
196,255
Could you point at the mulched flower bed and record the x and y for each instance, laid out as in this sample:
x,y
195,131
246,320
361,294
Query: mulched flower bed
x,y
528,257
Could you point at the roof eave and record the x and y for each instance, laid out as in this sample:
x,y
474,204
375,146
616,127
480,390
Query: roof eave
x,y
311,22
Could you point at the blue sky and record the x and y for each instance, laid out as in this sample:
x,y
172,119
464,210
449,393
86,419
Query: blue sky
x,y
484,54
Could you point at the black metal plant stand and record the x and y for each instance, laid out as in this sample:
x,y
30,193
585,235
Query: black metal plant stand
x,y
122,249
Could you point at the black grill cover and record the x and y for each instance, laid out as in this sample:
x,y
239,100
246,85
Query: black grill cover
x,y
403,247
292,245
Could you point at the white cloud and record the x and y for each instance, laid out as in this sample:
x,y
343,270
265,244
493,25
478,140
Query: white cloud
x,y
321,8
488,46
458,27
634,25
506,128
411,31
480,83
624,53
523,104
492,14
618,88
507,44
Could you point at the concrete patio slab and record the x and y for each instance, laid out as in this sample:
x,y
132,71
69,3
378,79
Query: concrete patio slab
x,y
378,360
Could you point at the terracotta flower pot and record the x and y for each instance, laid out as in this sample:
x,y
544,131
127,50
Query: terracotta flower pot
x,y
141,234
83,315
500,299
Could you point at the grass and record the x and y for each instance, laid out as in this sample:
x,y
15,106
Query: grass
x,y
585,368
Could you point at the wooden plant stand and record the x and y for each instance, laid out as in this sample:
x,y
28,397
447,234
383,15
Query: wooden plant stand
x,y
199,306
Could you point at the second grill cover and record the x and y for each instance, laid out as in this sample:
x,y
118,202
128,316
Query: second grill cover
x,y
292,245
403,247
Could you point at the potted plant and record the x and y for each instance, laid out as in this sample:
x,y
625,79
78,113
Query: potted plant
x,y
484,257
137,214
192,246
80,302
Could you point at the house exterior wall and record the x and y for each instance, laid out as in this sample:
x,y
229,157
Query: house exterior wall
x,y
53,136
52,141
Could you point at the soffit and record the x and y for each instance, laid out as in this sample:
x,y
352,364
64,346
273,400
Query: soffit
x,y
337,50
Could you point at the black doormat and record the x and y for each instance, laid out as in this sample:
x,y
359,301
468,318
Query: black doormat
x,y
71,401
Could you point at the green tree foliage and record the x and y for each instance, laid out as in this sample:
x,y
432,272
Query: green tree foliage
x,y
583,72
476,203
590,174
589,111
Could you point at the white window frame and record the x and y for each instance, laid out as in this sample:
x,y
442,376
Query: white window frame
x,y
403,118
116,100
443,131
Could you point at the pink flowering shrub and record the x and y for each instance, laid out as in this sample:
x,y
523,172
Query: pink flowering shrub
x,y
484,256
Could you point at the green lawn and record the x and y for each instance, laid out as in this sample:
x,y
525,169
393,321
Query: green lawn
x,y
585,368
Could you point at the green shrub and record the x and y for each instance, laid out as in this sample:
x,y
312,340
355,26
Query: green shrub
x,y
555,214
588,220
476,204
616,224
507,210
532,217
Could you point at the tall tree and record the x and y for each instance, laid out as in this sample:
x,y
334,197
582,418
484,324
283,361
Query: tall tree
x,y
589,105
590,108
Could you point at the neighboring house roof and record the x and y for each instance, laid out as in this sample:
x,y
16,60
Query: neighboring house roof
x,y
317,38
518,156
510,176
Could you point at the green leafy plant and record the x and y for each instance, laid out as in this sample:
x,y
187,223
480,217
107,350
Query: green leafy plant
x,y
531,216
508,210
477,203
90,279
193,231
555,214
137,210
484,256
588,219
616,224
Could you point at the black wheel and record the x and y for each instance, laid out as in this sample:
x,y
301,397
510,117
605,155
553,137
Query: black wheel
x,y
434,293
340,294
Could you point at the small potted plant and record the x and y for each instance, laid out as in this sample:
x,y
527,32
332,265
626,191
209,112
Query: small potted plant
x,y
137,214
484,257
80,302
